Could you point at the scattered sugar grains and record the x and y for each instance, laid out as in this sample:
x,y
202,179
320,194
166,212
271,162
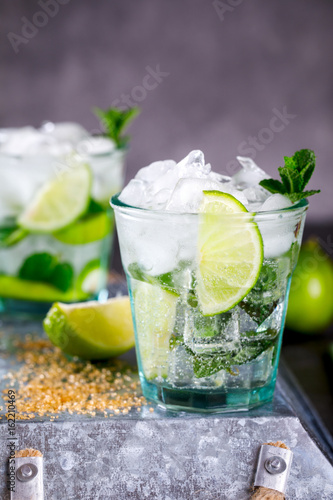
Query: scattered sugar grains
x,y
48,384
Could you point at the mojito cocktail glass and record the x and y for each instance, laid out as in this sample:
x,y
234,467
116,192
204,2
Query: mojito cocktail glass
x,y
208,289
56,224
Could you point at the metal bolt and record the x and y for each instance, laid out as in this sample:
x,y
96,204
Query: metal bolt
x,y
26,472
275,465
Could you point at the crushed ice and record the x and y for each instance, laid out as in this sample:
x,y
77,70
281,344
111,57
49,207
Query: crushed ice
x,y
178,187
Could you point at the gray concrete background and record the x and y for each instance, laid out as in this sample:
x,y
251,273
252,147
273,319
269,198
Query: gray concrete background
x,y
228,68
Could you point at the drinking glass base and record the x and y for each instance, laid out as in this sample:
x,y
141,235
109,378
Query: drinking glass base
x,y
208,401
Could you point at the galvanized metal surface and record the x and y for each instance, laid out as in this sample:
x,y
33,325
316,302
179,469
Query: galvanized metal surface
x,y
168,456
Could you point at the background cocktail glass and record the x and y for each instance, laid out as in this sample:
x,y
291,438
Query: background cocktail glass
x,y
187,360
70,264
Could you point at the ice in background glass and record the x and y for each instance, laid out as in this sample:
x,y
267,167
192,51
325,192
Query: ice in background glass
x,y
69,264
190,358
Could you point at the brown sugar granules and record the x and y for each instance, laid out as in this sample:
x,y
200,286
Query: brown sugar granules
x,y
48,384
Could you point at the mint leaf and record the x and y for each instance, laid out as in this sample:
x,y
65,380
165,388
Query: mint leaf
x,y
294,197
115,121
291,179
94,208
295,174
290,162
46,268
273,186
38,267
205,366
305,163
62,276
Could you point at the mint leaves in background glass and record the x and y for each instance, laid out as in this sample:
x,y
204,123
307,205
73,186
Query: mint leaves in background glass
x,y
115,121
46,268
295,174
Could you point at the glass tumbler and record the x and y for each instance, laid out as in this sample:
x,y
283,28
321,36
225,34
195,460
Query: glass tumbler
x,y
188,358
40,264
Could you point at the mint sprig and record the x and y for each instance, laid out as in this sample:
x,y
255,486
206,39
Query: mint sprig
x,y
295,174
115,121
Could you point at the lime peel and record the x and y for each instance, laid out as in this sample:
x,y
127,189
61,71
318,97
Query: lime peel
x,y
91,330
87,230
22,289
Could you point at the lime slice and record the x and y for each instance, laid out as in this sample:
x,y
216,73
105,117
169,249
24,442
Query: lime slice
x,y
230,253
59,202
21,289
86,230
155,313
91,330
92,278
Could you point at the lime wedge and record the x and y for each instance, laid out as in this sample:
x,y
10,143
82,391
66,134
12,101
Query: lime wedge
x,y
59,202
230,253
155,313
89,229
22,289
91,330
92,277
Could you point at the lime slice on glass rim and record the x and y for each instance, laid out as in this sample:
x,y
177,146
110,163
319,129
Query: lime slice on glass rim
x,y
59,202
155,314
91,330
230,253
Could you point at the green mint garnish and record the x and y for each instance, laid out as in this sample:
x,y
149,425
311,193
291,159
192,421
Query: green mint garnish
x,y
295,174
206,365
46,268
115,121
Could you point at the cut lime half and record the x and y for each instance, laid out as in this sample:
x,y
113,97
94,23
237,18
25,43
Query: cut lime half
x,y
59,202
230,253
92,330
155,313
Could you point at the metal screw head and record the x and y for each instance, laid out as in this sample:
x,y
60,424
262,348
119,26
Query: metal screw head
x,y
26,472
275,465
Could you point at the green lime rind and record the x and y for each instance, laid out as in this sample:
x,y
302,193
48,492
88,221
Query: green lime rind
x,y
22,289
92,278
155,314
59,203
230,253
91,330
11,236
88,229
